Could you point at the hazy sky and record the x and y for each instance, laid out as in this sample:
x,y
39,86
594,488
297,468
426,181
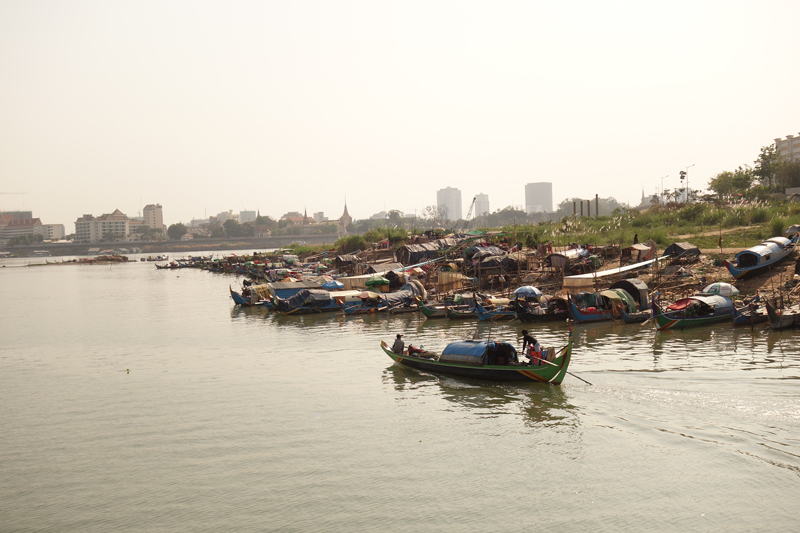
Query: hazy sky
x,y
208,106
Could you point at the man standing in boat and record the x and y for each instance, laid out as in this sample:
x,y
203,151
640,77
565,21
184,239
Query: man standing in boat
x,y
398,345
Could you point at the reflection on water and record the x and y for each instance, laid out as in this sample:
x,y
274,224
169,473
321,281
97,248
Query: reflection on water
x,y
229,410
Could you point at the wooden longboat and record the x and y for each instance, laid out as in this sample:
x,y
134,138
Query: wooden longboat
x,y
546,373
589,316
742,316
454,313
713,309
494,315
635,318
761,256
238,299
362,309
556,310
780,319
431,311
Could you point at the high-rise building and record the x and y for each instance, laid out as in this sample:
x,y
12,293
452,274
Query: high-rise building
x,y
153,216
481,205
539,197
247,216
450,199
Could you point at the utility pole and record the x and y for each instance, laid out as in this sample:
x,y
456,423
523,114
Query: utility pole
x,y
685,175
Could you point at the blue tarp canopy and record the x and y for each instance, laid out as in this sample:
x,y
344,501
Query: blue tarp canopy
x,y
332,285
474,352
528,291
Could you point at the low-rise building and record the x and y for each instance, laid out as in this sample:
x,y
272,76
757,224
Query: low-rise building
x,y
51,232
94,229
789,148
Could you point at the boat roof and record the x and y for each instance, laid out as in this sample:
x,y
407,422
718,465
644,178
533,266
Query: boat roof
x,y
767,247
471,347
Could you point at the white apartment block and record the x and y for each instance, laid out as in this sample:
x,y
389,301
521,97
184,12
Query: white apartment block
x,y
539,197
94,229
450,199
51,232
153,216
789,148
481,205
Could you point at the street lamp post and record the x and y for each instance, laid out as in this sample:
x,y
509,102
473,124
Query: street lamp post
x,y
685,175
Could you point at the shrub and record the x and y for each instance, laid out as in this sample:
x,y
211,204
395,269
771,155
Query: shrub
x,y
777,226
758,215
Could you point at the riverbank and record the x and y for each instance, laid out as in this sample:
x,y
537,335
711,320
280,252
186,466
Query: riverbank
x,y
174,247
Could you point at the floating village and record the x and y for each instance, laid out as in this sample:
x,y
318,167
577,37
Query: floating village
x,y
486,276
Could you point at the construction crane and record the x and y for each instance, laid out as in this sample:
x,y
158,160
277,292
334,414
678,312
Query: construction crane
x,y
469,213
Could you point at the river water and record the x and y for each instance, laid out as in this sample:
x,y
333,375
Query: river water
x,y
136,399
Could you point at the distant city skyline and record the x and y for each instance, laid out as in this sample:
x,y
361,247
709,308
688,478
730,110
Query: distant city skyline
x,y
277,106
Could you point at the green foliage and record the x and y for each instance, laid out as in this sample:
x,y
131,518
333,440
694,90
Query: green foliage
x,y
776,226
758,215
736,182
788,174
691,212
22,240
351,243
233,229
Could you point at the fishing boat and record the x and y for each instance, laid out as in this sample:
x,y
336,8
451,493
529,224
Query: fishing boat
x,y
638,317
555,309
589,314
494,313
432,311
488,360
782,317
460,312
370,303
749,316
697,310
307,301
761,256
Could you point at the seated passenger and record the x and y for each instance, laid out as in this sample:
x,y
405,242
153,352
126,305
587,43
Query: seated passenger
x,y
398,345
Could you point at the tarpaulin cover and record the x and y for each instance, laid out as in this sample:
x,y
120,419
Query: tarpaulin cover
x,y
310,297
411,254
680,250
409,291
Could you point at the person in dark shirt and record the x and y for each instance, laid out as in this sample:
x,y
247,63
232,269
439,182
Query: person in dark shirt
x,y
398,345
529,341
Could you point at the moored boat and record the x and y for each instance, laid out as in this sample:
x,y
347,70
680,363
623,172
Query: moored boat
x,y
761,256
782,318
494,313
460,312
697,310
489,360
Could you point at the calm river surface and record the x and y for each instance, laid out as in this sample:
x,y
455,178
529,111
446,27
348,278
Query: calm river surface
x,y
136,399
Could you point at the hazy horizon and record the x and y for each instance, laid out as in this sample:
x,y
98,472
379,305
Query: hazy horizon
x,y
204,107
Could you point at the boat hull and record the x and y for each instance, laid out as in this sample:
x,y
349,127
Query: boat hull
x,y
584,316
780,319
543,374
674,320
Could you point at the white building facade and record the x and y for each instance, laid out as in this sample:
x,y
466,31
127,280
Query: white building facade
x,y
789,148
94,229
51,232
481,205
539,197
153,217
450,199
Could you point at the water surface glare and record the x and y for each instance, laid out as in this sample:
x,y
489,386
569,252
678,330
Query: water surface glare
x,y
133,399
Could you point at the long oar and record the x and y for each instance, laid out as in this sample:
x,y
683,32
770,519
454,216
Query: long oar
x,y
568,372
